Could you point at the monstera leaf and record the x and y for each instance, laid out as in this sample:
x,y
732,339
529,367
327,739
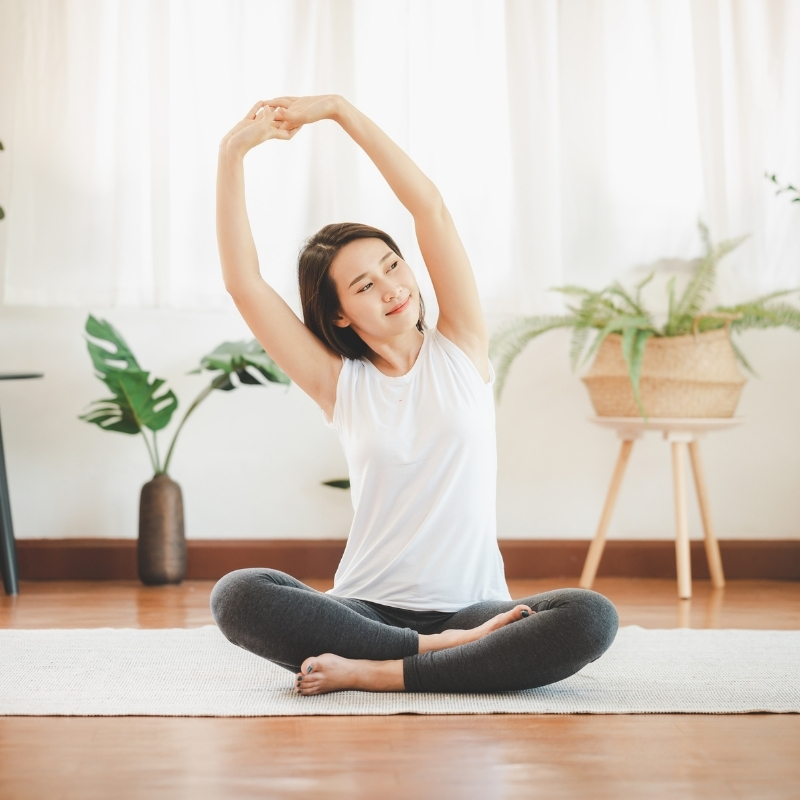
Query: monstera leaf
x,y
246,360
141,403
106,360
138,402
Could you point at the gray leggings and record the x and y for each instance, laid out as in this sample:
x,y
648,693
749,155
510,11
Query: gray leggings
x,y
281,619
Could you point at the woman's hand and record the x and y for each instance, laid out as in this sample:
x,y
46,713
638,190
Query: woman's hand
x,y
263,121
297,111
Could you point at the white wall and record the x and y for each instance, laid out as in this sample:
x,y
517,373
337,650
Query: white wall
x,y
250,462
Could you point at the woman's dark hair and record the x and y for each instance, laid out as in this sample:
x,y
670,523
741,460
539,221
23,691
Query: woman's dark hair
x,y
318,296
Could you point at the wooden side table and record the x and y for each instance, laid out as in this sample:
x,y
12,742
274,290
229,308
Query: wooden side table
x,y
681,434
8,549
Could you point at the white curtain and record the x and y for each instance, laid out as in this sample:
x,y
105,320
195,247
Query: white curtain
x,y
572,140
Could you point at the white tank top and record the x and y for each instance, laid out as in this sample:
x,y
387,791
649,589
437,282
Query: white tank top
x,y
422,454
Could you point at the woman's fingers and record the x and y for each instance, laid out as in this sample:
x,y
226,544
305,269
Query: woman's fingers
x,y
251,114
264,121
280,133
281,102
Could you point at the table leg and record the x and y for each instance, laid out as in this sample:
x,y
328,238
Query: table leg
x,y
8,550
712,545
599,542
682,556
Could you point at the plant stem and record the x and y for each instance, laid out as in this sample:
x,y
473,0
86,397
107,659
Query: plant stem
x,y
155,449
150,452
215,384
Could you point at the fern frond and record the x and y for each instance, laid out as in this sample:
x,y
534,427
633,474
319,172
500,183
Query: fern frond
x,y
577,346
704,278
633,306
765,298
509,342
671,321
618,325
705,235
755,315
633,344
741,359
709,322
570,289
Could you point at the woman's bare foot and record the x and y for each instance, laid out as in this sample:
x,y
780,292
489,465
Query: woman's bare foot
x,y
330,673
454,638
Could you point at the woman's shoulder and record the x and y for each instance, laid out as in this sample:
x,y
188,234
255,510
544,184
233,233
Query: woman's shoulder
x,y
459,357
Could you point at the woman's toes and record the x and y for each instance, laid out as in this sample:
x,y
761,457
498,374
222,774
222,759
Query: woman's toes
x,y
307,667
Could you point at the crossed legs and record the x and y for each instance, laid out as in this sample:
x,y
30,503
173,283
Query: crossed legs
x,y
336,643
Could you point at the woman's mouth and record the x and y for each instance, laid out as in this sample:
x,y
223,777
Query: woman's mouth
x,y
401,307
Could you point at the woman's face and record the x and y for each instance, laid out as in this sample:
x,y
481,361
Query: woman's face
x,y
378,293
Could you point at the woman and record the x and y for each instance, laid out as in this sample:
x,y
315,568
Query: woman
x,y
419,601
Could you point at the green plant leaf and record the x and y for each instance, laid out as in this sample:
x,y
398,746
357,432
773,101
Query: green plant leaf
x,y
577,290
619,324
701,283
765,298
741,359
110,415
705,235
671,321
106,360
136,403
338,483
244,359
633,344
510,340
761,316
577,346
633,306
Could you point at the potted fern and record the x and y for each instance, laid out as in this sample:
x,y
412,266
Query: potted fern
x,y
684,366
141,405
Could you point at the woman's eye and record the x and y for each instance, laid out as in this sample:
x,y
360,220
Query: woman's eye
x,y
393,265
365,286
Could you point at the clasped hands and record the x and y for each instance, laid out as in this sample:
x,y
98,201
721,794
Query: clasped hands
x,y
280,118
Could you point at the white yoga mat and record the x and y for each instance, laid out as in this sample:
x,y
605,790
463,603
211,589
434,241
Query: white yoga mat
x,y
197,672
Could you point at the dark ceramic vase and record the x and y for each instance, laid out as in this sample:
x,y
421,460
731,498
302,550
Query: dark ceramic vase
x,y
161,548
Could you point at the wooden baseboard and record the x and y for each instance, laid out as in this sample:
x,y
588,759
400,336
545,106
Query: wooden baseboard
x,y
115,559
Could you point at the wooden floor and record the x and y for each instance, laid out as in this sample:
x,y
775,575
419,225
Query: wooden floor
x,y
514,756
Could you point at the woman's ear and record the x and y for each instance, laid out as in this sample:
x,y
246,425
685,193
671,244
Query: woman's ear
x,y
341,322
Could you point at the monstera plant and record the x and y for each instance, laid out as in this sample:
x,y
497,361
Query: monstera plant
x,y
141,404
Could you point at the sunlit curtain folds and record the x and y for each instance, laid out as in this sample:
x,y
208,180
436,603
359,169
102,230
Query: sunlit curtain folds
x,y
572,140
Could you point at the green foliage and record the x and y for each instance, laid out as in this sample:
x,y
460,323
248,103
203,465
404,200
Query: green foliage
x,y
593,315
242,359
685,310
791,190
508,343
136,402
139,403
338,483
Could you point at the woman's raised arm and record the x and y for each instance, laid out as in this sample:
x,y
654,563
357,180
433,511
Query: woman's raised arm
x,y
460,314
300,354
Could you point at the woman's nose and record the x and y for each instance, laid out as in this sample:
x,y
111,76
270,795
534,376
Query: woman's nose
x,y
392,291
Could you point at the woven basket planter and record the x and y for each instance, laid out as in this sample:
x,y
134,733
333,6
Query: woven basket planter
x,y
682,376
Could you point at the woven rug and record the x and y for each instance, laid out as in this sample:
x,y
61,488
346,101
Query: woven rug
x,y
197,672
